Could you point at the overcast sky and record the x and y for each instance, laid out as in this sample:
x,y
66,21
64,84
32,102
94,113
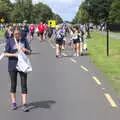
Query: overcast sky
x,y
65,8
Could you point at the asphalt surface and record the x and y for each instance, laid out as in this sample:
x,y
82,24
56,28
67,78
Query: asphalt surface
x,y
112,35
61,88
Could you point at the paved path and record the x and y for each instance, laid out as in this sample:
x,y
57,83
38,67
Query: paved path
x,y
68,88
112,35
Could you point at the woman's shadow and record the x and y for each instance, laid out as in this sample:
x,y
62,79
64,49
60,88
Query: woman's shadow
x,y
41,104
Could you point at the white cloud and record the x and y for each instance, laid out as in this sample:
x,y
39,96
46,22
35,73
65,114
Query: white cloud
x,y
65,8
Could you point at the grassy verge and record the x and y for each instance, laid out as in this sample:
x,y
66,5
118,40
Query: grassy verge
x,y
1,33
109,65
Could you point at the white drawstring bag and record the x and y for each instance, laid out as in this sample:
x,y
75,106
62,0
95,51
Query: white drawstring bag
x,y
23,64
2,56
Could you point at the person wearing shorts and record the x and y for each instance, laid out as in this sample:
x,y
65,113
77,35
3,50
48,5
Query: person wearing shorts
x,y
76,41
59,42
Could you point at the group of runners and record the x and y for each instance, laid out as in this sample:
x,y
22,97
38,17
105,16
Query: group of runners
x,y
76,35
64,35
31,29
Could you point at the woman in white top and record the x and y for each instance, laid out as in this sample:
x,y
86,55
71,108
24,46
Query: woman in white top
x,y
76,41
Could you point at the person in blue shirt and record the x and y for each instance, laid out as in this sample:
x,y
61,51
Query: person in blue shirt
x,y
9,32
11,50
59,41
24,31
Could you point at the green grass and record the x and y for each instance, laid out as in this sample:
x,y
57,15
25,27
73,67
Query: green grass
x,y
1,33
109,65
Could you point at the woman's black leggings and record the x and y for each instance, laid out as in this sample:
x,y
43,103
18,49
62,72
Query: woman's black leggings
x,y
13,77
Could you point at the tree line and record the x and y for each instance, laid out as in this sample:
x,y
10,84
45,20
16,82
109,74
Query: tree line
x,y
97,11
22,10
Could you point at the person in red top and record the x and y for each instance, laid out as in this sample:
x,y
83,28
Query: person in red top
x,y
32,30
45,33
41,29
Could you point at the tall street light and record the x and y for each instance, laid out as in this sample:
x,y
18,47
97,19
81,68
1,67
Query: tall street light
x,y
88,5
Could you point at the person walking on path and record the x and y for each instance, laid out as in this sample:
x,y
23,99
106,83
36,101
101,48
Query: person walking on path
x,y
24,31
41,29
11,50
31,31
76,40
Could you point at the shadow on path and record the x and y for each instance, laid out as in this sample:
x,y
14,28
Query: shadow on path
x,y
35,53
41,104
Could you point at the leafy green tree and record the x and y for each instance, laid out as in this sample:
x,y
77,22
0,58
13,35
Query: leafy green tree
x,y
114,16
57,18
42,13
82,14
22,11
97,10
5,9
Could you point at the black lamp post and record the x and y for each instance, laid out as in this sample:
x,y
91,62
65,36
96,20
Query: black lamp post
x,y
88,26
107,23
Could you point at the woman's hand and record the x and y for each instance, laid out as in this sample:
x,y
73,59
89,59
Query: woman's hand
x,y
26,50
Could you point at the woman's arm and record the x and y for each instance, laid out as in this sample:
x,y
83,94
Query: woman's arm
x,y
10,54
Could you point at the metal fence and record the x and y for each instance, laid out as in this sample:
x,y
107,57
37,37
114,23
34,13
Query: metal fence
x,y
114,27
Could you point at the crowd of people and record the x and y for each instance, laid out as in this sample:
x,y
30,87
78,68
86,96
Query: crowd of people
x,y
76,34
26,29
77,37
16,36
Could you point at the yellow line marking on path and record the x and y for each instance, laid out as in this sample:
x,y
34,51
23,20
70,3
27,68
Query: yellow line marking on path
x,y
84,68
52,46
103,88
73,60
110,100
97,80
64,54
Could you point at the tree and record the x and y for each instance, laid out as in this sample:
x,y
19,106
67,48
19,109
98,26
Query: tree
x,y
5,9
82,15
97,10
57,18
114,16
22,11
42,13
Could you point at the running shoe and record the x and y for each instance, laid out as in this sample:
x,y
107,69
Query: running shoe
x,y
25,108
13,106
75,55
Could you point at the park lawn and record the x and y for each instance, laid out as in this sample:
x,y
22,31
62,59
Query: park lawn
x,y
1,33
109,65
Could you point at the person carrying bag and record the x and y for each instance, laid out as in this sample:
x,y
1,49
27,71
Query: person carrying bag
x,y
23,64
16,49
